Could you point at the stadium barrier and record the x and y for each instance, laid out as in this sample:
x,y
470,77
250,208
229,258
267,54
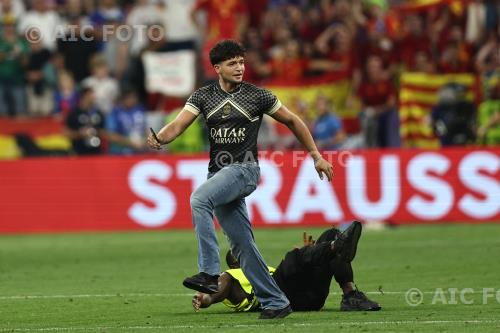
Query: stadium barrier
x,y
152,191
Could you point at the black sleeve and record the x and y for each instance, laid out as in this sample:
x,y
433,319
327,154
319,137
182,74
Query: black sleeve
x,y
72,120
194,103
269,103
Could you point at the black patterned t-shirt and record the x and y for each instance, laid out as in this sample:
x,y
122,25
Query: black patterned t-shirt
x,y
233,120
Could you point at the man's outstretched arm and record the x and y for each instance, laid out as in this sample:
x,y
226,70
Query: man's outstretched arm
x,y
172,130
201,300
301,132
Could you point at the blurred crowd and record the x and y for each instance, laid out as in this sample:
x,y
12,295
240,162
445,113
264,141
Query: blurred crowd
x,y
80,61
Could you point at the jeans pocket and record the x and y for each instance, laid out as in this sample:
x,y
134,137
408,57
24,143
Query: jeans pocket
x,y
251,178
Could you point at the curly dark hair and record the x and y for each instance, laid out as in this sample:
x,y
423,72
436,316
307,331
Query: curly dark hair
x,y
225,50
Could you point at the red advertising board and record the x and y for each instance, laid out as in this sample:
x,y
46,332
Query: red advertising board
x,y
152,191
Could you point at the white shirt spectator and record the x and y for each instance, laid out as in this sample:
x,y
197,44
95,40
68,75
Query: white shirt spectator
x,y
15,8
143,13
177,20
106,92
45,21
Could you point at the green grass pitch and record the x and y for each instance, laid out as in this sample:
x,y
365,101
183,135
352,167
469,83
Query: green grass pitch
x,y
131,282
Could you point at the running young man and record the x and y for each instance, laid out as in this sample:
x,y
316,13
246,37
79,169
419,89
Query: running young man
x,y
233,111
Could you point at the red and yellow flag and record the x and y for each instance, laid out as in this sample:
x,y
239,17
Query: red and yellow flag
x,y
456,6
417,96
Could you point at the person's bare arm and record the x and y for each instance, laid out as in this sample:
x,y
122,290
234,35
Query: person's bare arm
x,y
172,130
301,132
201,300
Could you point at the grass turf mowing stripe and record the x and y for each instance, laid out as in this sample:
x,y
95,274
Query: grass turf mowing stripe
x,y
14,297
344,323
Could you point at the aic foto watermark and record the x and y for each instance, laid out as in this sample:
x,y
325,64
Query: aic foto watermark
x,y
87,33
292,159
453,296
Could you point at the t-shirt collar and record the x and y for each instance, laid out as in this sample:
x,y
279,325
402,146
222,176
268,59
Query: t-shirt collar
x,y
234,91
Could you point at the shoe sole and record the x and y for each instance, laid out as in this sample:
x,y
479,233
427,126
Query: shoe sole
x,y
199,287
351,243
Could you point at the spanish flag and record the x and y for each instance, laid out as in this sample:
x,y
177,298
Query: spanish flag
x,y
417,96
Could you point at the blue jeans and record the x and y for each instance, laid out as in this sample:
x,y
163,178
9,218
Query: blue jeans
x,y
224,192
12,100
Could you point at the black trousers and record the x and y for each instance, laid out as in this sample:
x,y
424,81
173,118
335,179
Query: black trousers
x,y
305,274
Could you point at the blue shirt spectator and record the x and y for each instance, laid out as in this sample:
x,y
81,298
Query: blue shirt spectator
x,y
66,95
126,126
327,129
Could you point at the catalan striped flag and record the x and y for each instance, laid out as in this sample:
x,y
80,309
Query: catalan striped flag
x,y
417,96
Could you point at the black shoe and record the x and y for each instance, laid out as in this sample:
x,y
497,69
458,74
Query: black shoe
x,y
347,242
357,301
202,282
275,314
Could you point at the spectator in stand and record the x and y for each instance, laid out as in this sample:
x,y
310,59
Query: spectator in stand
x,y
143,13
455,57
382,29
488,57
11,9
438,25
379,118
14,53
176,18
225,20
327,129
137,76
272,21
39,94
482,19
126,125
105,87
44,20
452,62
414,40
71,9
255,55
488,131
256,9
113,40
312,26
348,12
85,125
287,64
453,118
106,11
339,56
66,95
115,48
281,34
76,49
423,63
